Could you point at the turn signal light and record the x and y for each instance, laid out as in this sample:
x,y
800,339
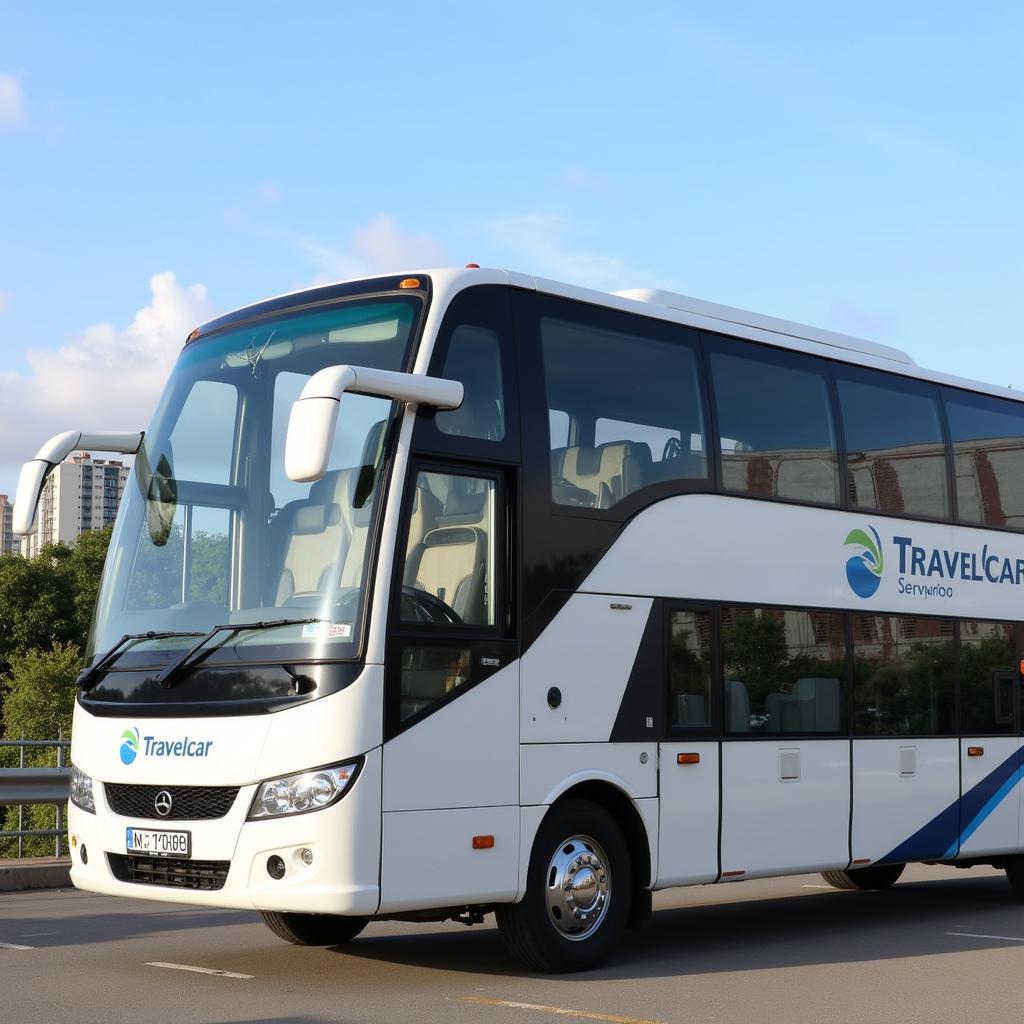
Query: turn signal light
x,y
483,842
975,751
687,758
409,282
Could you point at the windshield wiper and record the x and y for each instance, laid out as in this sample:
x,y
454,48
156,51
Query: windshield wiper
x,y
87,677
172,674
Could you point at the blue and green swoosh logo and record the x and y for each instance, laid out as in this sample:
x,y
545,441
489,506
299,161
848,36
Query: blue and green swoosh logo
x,y
864,569
129,745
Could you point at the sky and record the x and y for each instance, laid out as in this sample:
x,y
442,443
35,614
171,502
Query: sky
x,y
855,167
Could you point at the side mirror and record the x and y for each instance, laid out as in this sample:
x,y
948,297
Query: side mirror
x,y
34,473
314,415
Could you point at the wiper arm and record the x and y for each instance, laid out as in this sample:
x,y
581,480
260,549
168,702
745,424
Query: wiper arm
x,y
199,651
87,678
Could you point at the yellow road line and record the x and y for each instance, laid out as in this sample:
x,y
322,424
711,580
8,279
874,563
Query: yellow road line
x,y
561,1011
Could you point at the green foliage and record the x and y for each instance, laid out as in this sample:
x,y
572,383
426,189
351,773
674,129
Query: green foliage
x,y
39,692
46,605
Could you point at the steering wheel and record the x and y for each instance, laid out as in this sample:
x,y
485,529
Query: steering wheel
x,y
421,606
673,449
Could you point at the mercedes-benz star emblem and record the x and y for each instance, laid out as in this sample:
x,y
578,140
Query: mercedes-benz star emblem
x,y
163,802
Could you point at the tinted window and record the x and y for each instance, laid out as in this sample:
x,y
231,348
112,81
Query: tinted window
x,y
784,671
690,669
895,456
903,675
988,452
987,677
633,407
449,561
474,359
775,420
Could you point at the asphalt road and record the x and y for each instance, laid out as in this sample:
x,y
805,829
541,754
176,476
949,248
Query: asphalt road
x,y
944,945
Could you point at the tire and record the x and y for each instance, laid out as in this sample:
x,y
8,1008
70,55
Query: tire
x,y
554,932
1014,868
313,929
879,876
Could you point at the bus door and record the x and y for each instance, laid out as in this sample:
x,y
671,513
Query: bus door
x,y
906,756
689,805
786,752
990,759
451,752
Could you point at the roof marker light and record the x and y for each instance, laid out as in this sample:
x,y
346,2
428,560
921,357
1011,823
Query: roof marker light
x,y
472,266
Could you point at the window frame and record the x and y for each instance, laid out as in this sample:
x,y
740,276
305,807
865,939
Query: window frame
x,y
498,641
713,730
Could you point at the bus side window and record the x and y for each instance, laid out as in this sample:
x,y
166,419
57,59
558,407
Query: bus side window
x,y
625,411
987,677
775,419
474,358
895,462
988,453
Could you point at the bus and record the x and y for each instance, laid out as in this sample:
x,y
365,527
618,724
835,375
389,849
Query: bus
x,y
464,591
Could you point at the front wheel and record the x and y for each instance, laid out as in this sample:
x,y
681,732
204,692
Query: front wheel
x,y
313,929
879,876
578,892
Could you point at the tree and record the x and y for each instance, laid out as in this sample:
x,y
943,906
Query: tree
x,y
37,603
39,692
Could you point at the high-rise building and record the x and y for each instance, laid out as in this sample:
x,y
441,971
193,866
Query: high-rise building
x,y
7,545
80,494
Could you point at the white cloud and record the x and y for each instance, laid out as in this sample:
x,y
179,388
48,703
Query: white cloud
x,y
379,246
543,243
12,99
107,378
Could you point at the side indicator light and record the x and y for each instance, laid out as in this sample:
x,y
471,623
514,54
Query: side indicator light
x,y
483,842
409,282
687,758
733,874
863,860
1021,667
975,751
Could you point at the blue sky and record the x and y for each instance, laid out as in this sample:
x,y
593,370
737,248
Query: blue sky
x,y
854,167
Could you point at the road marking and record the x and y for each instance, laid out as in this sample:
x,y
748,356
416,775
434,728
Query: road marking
x,y
976,935
14,945
561,1011
201,970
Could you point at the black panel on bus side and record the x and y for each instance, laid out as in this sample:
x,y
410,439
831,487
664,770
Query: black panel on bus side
x,y
641,714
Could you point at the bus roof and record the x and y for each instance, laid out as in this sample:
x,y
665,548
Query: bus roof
x,y
683,309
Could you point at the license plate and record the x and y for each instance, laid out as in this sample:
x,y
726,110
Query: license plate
x,y
158,842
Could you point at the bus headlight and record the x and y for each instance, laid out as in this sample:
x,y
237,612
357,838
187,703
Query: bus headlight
x,y
81,790
306,791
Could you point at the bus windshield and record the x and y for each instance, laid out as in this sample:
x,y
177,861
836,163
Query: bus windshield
x,y
212,531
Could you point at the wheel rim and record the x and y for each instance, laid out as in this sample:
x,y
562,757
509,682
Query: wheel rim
x,y
579,888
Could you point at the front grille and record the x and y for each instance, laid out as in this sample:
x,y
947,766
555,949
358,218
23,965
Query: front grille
x,y
169,871
188,803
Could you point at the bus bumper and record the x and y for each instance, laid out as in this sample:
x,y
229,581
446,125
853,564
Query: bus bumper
x,y
341,878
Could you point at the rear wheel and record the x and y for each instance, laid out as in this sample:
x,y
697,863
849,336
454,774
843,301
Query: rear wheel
x,y
578,892
880,876
313,929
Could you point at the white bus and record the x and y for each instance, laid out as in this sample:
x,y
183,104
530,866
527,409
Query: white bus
x,y
466,591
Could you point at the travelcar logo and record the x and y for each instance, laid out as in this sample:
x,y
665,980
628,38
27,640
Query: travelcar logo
x,y
864,569
132,744
129,745
941,568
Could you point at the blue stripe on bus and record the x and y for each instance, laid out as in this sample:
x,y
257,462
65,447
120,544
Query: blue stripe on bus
x,y
942,837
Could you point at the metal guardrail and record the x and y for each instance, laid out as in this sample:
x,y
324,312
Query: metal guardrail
x,y
23,785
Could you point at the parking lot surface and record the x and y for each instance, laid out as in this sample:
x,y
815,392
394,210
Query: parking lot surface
x,y
944,945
